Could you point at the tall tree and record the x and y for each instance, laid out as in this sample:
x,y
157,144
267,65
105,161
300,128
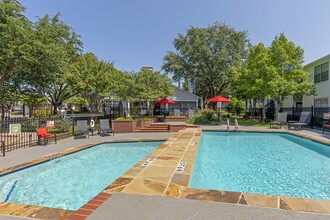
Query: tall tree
x,y
289,77
206,55
56,48
15,48
150,84
274,72
96,79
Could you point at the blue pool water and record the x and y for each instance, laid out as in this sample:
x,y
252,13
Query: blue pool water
x,y
263,163
70,181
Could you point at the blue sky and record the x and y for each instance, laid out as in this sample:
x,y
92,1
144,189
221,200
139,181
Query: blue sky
x,y
136,33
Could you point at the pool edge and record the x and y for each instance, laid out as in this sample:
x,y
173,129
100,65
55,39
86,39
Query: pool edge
x,y
184,141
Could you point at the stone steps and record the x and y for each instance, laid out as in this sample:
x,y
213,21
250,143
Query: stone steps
x,y
155,128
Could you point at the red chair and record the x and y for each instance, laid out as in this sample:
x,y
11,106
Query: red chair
x,y
43,134
326,123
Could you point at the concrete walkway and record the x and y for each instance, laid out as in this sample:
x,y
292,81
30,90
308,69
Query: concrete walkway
x,y
129,207
23,155
305,131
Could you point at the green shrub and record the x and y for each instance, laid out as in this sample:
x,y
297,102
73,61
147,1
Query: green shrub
x,y
209,114
204,116
42,113
69,111
133,118
198,119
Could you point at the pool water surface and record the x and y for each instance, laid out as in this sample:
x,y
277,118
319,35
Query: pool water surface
x,y
263,163
70,181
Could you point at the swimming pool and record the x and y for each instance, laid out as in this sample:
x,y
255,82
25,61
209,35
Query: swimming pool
x,y
70,181
263,163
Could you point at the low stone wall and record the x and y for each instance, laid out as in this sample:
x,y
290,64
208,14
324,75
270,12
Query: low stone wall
x,y
130,126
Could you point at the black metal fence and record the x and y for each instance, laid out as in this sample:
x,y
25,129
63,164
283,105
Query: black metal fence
x,y
117,112
27,136
293,114
317,114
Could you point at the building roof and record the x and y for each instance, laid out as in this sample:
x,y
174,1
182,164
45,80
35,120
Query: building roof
x,y
183,95
316,61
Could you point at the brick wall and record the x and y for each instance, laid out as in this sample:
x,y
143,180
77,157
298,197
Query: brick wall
x,y
129,126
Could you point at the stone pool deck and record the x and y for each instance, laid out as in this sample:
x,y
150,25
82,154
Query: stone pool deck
x,y
157,178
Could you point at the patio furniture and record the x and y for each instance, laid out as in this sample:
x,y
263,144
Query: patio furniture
x,y
304,120
105,127
82,130
281,120
43,134
326,122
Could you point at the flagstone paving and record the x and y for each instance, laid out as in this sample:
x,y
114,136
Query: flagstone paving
x,y
166,172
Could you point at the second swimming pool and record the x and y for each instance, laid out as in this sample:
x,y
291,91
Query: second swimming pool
x,y
262,163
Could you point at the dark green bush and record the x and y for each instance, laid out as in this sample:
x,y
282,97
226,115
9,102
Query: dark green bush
x,y
204,116
209,114
42,113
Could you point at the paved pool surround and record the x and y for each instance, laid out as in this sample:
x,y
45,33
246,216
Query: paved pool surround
x,y
160,177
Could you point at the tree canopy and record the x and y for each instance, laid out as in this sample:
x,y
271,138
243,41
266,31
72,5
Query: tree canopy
x,y
206,56
95,79
15,48
274,72
56,49
150,84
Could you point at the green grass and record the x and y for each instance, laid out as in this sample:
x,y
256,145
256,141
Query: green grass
x,y
250,122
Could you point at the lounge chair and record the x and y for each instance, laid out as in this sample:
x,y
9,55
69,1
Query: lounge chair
x,y
281,120
326,122
82,130
43,134
304,120
104,127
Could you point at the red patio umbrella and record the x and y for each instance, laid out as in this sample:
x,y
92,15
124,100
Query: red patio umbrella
x,y
164,101
219,99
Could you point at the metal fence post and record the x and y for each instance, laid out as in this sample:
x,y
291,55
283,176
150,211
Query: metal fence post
x,y
39,121
312,119
292,113
3,148
72,126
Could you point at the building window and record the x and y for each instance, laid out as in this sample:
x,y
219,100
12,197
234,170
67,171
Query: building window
x,y
319,103
321,72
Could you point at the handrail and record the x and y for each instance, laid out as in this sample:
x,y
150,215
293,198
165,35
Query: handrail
x,y
227,124
236,124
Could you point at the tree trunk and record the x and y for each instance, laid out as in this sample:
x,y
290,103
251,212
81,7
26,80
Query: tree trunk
x,y
55,105
277,103
2,112
262,110
254,106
